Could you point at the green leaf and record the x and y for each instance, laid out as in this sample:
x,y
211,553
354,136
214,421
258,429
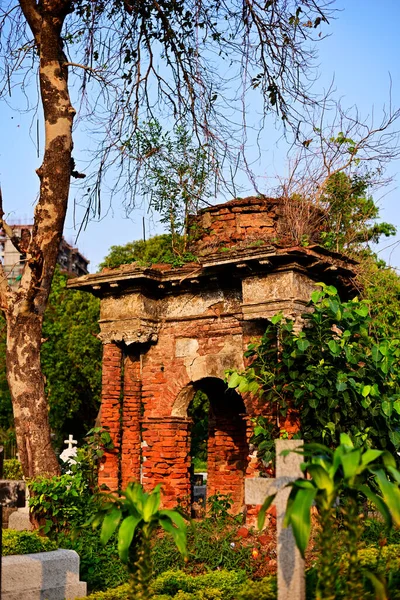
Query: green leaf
x,y
110,523
303,344
178,535
387,408
378,584
334,347
378,502
316,296
299,517
385,366
370,455
366,390
391,494
175,517
331,290
345,440
394,472
261,515
234,380
375,353
350,463
151,505
243,386
394,437
362,311
321,478
384,348
125,536
136,496
276,319
341,386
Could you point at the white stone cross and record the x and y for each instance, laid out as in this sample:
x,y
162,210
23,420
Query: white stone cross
x,y
70,441
291,573
68,455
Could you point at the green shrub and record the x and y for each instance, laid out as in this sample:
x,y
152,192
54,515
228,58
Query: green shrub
x,y
264,589
60,503
222,585
12,469
375,531
100,566
63,504
25,542
209,547
228,582
382,559
206,594
120,593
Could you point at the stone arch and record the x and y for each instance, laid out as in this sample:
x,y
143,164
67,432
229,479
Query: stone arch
x,y
227,443
183,400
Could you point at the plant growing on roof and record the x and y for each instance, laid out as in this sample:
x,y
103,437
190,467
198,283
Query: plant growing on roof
x,y
176,176
137,515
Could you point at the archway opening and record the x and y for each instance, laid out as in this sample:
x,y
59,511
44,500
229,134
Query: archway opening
x,y
219,448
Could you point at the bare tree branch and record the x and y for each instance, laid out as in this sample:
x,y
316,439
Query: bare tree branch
x,y
8,230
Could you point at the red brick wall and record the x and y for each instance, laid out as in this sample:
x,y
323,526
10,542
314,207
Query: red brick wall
x,y
238,222
227,458
110,412
167,458
131,434
164,375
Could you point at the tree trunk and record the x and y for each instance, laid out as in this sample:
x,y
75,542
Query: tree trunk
x,y
26,383
24,308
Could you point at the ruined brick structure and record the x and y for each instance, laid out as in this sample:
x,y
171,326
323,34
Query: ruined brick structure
x,y
168,332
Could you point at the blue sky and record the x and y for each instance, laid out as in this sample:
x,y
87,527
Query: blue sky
x,y
363,48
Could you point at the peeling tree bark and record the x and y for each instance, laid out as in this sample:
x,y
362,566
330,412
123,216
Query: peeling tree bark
x,y
24,308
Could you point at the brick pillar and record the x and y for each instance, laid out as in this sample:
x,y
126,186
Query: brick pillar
x,y
252,470
167,458
110,413
131,438
227,457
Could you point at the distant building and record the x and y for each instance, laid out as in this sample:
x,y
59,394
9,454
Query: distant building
x,y
70,260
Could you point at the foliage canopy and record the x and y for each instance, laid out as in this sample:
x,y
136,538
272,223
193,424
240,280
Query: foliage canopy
x,y
341,373
71,361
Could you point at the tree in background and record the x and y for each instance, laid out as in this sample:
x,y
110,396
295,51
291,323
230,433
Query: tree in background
x,y
328,198
71,362
71,359
156,249
380,286
333,175
351,214
126,59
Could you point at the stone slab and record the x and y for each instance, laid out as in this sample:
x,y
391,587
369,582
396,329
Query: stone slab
x,y
42,576
291,570
20,520
291,573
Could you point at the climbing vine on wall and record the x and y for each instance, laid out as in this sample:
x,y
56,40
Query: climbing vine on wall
x,y
341,373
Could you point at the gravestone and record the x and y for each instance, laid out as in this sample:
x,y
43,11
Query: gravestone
x,y
69,454
291,573
20,520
